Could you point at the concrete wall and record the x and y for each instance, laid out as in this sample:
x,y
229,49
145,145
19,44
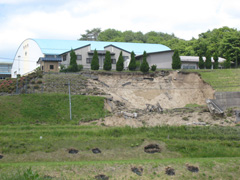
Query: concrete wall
x,y
227,99
189,65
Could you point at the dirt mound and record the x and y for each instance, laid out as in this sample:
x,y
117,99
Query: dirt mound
x,y
152,148
72,151
138,171
192,168
169,171
170,91
101,177
96,151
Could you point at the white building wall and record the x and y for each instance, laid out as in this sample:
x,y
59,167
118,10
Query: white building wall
x,y
26,58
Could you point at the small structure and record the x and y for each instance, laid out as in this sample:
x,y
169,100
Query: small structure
x,y
49,64
5,69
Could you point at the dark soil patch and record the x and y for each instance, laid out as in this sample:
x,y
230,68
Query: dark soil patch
x,y
152,148
47,177
72,151
96,151
192,168
169,171
1,156
138,171
101,177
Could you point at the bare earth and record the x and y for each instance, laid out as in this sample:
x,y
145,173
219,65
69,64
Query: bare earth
x,y
170,89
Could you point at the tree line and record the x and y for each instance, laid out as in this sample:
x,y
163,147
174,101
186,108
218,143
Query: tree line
x,y
222,42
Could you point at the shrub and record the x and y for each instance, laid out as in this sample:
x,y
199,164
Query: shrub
x,y
73,61
39,81
176,61
132,65
33,82
108,62
120,63
144,66
153,67
36,86
201,63
95,61
208,62
80,67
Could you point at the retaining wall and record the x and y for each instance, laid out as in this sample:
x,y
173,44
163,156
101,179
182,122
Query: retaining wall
x,y
227,99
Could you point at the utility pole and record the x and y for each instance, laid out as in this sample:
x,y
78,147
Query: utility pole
x,y
70,105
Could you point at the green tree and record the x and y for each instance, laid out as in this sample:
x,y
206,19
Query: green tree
x,y
176,61
201,63
120,63
91,35
227,64
108,62
95,61
144,66
132,65
73,62
208,62
215,57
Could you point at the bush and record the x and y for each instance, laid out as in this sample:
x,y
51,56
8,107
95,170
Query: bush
x,y
201,63
120,63
132,65
108,62
95,61
176,61
144,66
80,67
208,62
33,82
153,67
36,86
39,81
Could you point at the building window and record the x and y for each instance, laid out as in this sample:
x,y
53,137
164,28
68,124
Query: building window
x,y
113,61
64,57
88,60
51,66
79,57
125,58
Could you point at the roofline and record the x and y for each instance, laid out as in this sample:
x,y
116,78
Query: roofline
x,y
156,52
75,49
117,48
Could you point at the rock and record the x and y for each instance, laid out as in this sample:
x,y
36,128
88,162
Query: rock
x,y
72,151
131,115
125,84
138,171
152,148
192,168
96,151
101,177
169,171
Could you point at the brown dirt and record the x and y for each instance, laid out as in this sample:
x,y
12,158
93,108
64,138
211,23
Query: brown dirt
x,y
171,91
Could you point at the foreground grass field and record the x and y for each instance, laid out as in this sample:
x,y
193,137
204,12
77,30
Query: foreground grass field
x,y
44,149
49,109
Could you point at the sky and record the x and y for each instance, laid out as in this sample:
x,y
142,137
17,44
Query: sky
x,y
61,19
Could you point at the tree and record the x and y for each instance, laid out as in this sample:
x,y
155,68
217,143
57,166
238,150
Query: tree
x,y
144,66
108,62
120,63
208,62
227,64
176,61
215,57
91,35
73,61
201,63
132,65
95,61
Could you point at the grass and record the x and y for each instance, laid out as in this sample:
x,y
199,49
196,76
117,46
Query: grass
x,y
49,109
221,79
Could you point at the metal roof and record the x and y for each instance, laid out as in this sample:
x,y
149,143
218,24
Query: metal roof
x,y
51,46
196,59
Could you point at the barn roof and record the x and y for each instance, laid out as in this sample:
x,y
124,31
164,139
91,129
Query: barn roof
x,y
50,46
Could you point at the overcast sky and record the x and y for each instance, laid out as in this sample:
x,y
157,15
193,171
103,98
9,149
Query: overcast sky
x,y
68,19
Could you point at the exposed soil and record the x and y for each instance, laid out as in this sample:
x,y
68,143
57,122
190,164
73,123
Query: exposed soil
x,y
192,168
152,148
96,151
72,151
101,177
169,171
138,171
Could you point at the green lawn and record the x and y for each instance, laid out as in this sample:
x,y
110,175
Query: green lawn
x,y
221,79
49,109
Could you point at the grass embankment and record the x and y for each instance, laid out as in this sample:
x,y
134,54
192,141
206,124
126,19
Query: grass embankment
x,y
221,79
49,109
122,148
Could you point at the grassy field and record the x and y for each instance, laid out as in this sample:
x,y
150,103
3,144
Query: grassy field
x,y
221,79
212,149
49,109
